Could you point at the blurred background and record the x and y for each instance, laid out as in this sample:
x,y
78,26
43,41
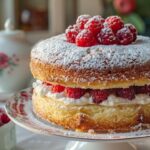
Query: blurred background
x,y
44,18
34,20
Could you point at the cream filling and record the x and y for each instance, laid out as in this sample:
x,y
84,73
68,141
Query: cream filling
x,y
44,90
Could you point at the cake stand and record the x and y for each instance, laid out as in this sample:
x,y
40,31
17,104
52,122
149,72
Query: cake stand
x,y
19,109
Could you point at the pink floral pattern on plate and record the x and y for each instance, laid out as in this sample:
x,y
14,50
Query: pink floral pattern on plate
x,y
7,62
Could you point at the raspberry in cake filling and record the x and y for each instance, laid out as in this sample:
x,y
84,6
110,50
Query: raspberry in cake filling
x,y
116,96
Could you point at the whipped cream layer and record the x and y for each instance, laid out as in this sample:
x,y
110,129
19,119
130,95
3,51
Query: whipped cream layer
x,y
44,90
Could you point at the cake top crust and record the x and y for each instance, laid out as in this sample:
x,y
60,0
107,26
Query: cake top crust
x,y
57,51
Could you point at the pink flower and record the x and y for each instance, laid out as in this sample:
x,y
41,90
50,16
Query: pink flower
x,y
3,60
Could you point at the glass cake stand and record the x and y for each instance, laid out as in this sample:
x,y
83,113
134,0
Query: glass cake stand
x,y
19,109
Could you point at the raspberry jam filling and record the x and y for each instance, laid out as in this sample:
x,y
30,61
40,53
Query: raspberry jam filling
x,y
96,96
89,31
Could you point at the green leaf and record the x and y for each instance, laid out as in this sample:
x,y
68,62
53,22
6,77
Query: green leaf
x,y
143,8
136,20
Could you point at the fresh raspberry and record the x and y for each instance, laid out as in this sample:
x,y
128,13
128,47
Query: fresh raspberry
x,y
114,22
82,20
133,30
148,88
142,89
75,92
95,24
106,36
71,33
112,91
124,36
99,95
85,38
127,93
4,118
57,88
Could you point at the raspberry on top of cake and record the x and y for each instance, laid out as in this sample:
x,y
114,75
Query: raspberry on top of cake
x,y
89,31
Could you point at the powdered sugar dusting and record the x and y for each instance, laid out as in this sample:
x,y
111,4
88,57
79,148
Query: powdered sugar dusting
x,y
57,51
98,19
83,17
